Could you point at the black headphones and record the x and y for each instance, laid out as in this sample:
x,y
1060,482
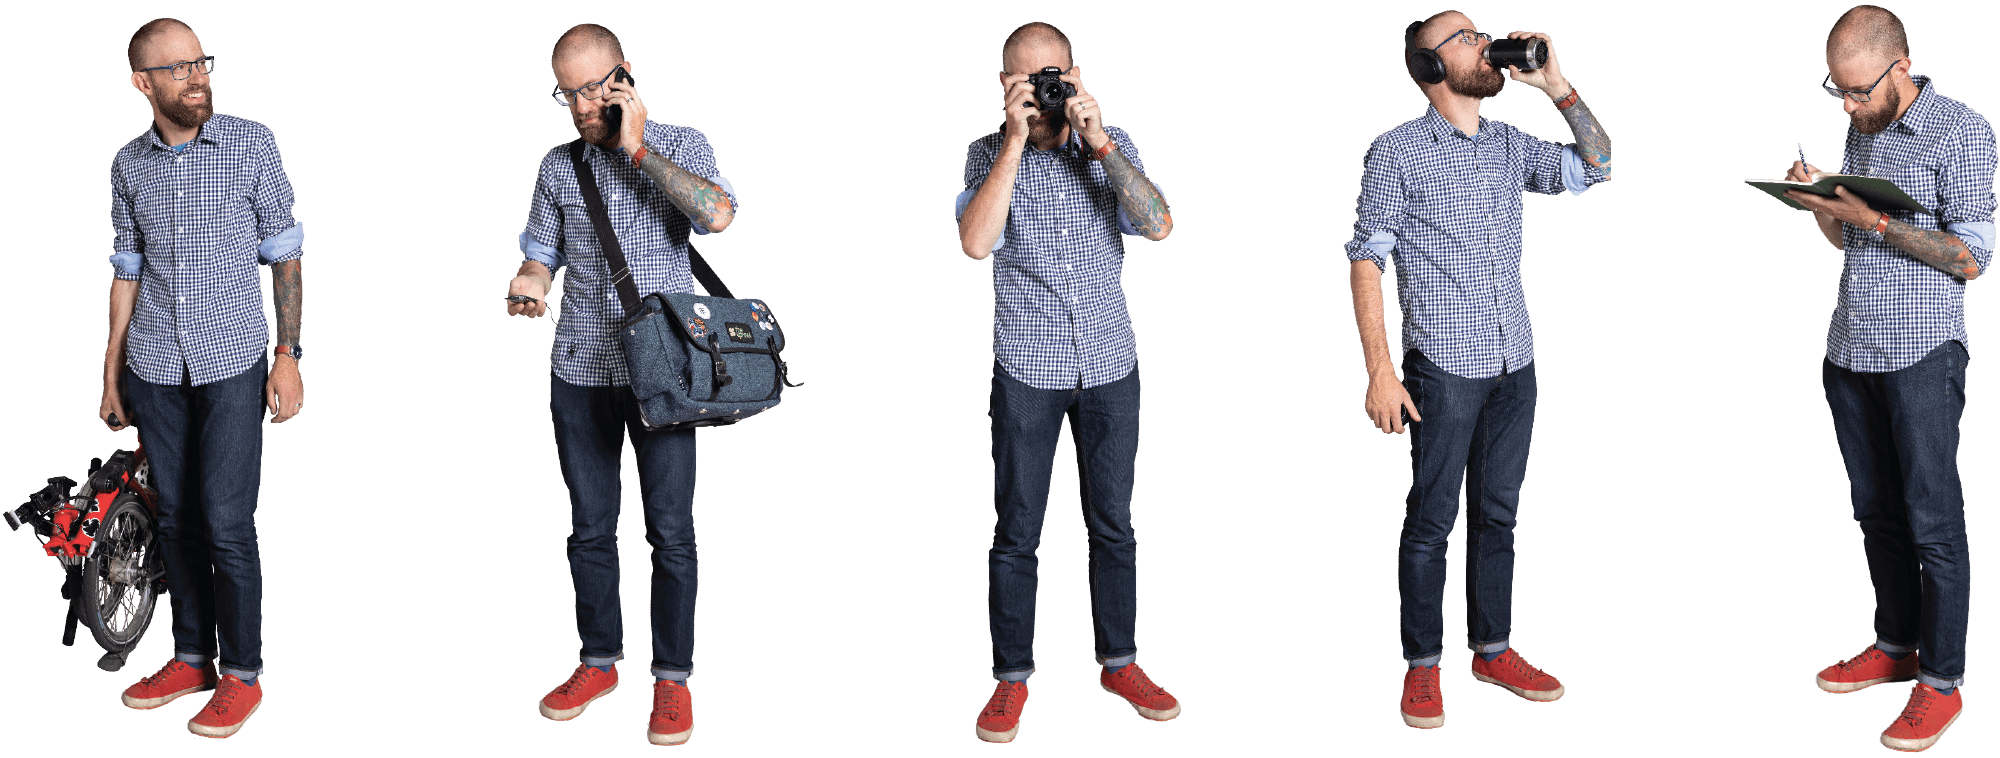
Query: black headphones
x,y
1425,64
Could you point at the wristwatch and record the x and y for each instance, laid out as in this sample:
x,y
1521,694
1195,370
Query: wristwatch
x,y
294,351
1881,228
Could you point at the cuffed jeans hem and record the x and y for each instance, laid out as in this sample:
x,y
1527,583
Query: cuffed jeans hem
x,y
1937,682
680,676
1428,660
196,660
1891,647
245,674
1489,647
1123,660
1013,676
602,661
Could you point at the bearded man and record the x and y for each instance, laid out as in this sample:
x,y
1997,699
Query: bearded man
x,y
1441,195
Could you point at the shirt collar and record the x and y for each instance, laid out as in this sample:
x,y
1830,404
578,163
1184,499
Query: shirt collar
x,y
1440,128
1923,111
1074,145
207,133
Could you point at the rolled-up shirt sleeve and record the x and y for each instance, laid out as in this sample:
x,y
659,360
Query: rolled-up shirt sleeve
x,y
1965,187
127,244
281,237
542,240
1577,174
1379,212
979,159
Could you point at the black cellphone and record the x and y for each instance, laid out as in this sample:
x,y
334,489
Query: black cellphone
x,y
520,299
614,116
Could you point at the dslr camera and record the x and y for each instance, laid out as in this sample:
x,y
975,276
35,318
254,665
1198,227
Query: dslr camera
x,y
1051,92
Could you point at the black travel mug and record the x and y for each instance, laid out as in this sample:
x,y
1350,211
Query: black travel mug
x,y
1524,54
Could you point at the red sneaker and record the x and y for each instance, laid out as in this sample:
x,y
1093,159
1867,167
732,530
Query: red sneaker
x,y
673,714
1000,720
228,708
173,680
1510,670
585,685
1870,668
1423,702
1148,698
1924,719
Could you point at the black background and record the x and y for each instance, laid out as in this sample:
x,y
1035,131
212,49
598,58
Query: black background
x,y
1685,525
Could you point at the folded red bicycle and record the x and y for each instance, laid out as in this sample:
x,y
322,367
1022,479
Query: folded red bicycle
x,y
107,538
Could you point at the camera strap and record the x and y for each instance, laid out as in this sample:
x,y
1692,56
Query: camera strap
x,y
614,256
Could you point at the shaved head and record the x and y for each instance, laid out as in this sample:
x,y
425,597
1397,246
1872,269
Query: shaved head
x,y
1035,34
1868,32
584,39
1439,24
142,40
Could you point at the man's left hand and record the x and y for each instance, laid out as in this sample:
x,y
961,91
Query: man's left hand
x,y
1549,77
632,130
1845,206
1081,111
284,391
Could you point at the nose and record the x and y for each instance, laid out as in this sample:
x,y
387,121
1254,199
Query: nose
x,y
1849,105
197,76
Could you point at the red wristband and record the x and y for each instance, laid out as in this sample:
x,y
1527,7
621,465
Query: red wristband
x,y
1098,154
638,156
1882,224
1567,101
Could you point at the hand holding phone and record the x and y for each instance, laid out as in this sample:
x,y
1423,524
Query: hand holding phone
x,y
621,100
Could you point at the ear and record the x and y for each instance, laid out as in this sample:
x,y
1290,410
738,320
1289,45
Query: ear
x,y
627,65
142,84
1003,78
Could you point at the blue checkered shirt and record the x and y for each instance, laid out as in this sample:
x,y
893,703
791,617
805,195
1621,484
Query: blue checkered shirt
x,y
1894,309
1447,208
1059,319
190,227
652,233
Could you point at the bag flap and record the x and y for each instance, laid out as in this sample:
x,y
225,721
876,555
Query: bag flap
x,y
736,323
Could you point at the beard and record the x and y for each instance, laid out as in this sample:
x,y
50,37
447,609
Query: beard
x,y
188,116
593,133
1476,81
1046,125
1870,120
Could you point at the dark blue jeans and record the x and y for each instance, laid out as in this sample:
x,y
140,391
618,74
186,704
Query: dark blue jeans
x,y
1475,431
591,425
206,449
1027,423
1898,433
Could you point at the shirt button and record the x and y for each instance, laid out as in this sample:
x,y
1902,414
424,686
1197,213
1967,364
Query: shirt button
x,y
1062,231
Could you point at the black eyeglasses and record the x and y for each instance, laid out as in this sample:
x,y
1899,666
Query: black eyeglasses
x,y
591,91
182,69
1859,96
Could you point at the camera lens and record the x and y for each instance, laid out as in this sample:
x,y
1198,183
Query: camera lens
x,y
1050,93
1524,54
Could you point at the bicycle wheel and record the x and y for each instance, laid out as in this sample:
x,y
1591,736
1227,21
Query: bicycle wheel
x,y
119,578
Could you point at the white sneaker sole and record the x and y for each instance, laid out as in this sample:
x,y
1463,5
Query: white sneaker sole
x,y
219,732
1431,722
1912,746
1539,697
1843,687
570,713
668,739
1156,715
149,703
991,736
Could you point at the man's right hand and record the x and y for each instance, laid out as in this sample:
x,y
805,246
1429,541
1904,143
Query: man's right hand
x,y
1020,105
1802,172
532,286
113,404
1387,399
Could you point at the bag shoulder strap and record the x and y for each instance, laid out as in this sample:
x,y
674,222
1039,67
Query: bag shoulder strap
x,y
614,256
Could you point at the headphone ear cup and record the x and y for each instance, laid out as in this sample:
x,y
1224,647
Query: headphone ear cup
x,y
1426,67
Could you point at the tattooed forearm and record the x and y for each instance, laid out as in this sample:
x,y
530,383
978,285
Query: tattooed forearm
x,y
1943,251
699,198
287,290
1591,141
1141,200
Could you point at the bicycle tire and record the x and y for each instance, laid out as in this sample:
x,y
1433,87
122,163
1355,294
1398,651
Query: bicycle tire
x,y
120,591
